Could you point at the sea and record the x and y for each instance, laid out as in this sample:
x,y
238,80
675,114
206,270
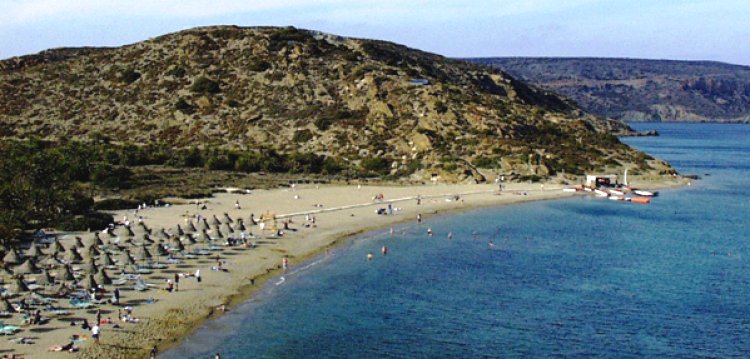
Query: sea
x,y
578,277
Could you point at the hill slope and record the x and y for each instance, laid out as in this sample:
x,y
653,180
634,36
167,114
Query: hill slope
x,y
292,90
641,90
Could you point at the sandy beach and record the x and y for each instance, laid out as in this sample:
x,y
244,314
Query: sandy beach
x,y
339,212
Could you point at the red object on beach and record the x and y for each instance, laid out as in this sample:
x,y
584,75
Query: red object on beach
x,y
640,200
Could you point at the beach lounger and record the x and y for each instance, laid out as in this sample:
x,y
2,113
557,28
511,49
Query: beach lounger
x,y
140,285
80,304
8,329
158,266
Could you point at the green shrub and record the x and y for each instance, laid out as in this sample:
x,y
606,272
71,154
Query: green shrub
x,y
114,204
89,221
302,136
377,165
205,86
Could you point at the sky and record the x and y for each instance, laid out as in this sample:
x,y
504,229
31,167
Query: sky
x,y
656,29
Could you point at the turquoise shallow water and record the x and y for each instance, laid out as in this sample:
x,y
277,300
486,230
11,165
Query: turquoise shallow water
x,y
571,278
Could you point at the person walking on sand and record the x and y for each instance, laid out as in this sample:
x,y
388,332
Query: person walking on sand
x,y
285,263
198,275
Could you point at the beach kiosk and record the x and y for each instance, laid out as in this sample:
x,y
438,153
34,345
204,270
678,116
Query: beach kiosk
x,y
596,181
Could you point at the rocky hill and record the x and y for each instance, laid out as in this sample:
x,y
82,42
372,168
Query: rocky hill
x,y
367,104
641,90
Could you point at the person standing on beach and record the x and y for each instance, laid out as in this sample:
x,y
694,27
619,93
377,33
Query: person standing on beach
x,y
153,353
285,263
198,275
419,218
95,330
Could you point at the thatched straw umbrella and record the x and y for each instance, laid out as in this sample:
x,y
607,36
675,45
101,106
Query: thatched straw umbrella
x,y
72,255
12,257
189,240
142,254
97,241
61,289
110,232
45,279
159,251
102,278
253,221
93,252
144,227
240,225
203,237
64,274
191,227
146,239
203,225
28,267
178,231
17,285
217,234
52,261
226,228
163,234
215,221
35,251
90,267
228,219
89,282
107,260
5,306
175,245
125,259
124,231
57,247
79,242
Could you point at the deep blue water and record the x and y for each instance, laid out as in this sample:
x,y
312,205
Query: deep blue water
x,y
581,277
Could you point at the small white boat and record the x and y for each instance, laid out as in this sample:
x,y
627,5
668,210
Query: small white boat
x,y
643,193
616,198
569,189
601,193
616,192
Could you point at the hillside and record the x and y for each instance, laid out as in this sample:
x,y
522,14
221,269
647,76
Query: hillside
x,y
374,107
641,90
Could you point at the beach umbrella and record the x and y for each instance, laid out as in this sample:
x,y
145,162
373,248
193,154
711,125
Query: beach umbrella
x,y
240,225
52,261
226,228
5,272
110,231
124,231
61,289
45,279
88,282
228,219
204,237
191,227
17,285
90,267
6,307
107,260
189,240
125,259
93,252
159,250
79,242
147,239
176,245
144,227
215,221
12,257
72,255
203,225
57,247
96,241
34,251
102,278
178,230
252,219
163,234
142,254
217,234
28,267
64,274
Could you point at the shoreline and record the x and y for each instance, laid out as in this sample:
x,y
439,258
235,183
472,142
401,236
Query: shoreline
x,y
346,214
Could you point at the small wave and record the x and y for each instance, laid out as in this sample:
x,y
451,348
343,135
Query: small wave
x,y
281,280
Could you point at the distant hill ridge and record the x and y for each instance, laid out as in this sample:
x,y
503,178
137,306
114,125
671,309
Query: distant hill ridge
x,y
638,89
373,106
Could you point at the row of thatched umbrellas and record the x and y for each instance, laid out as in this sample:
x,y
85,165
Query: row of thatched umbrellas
x,y
121,239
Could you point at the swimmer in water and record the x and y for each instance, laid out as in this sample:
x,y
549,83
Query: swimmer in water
x,y
384,250
450,235
391,231
369,256
429,232
492,244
